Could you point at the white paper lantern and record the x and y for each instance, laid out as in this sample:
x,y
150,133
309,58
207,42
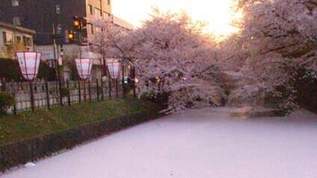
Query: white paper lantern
x,y
114,68
29,63
84,67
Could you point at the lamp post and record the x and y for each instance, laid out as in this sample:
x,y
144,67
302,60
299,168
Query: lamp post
x,y
84,67
29,63
114,71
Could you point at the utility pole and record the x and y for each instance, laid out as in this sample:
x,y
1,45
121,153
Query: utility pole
x,y
58,72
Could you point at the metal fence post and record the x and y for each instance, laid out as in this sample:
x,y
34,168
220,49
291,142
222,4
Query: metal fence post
x,y
68,94
60,92
79,92
123,85
32,96
117,89
102,90
15,89
14,106
47,96
97,85
89,91
110,88
85,92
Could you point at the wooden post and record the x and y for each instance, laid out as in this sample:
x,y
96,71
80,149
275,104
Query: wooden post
x,y
47,95
79,92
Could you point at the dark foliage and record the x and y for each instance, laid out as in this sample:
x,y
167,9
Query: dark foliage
x,y
6,101
306,85
73,70
64,92
10,71
160,98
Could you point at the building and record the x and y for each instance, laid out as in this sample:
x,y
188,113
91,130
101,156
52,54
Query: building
x,y
14,38
48,17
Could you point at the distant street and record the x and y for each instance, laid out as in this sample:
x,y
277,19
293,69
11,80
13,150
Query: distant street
x,y
197,144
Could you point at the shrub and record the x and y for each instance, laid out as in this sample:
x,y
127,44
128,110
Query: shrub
x,y
71,65
301,92
306,87
46,72
10,70
6,101
157,98
64,92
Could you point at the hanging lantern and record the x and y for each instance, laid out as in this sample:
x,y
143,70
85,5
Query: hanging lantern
x,y
114,68
84,67
29,63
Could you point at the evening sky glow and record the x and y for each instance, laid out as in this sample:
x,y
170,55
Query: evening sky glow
x,y
217,13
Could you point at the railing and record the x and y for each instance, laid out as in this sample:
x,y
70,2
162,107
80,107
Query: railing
x,y
49,94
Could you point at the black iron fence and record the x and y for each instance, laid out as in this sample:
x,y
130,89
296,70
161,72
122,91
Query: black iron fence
x,y
49,94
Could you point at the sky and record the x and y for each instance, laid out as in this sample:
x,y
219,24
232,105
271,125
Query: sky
x,y
217,13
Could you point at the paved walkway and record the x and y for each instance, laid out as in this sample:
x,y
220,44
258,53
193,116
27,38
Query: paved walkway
x,y
197,144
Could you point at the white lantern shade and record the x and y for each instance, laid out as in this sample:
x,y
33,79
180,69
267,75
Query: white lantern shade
x,y
113,67
29,63
84,67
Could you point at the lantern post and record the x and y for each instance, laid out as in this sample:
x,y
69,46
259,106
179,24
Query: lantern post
x,y
84,67
29,63
114,71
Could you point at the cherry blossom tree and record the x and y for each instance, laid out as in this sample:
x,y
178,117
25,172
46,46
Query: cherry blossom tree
x,y
114,41
170,53
176,53
280,37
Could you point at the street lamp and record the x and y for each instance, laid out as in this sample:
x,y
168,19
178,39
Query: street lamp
x,y
113,67
84,67
114,71
29,63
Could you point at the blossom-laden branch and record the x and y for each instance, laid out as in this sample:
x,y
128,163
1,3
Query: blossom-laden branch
x,y
169,52
278,38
